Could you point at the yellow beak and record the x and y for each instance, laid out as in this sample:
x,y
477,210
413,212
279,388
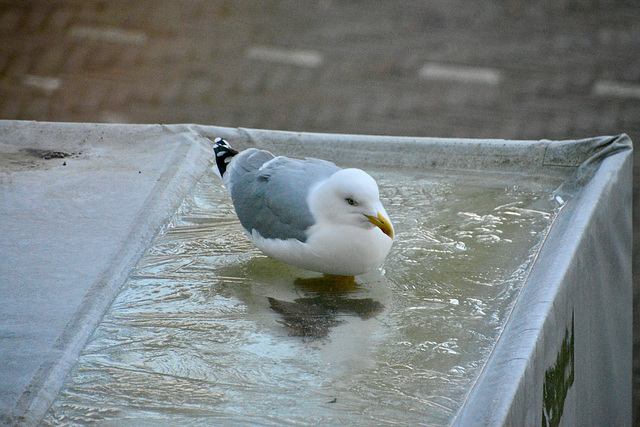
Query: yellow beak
x,y
382,223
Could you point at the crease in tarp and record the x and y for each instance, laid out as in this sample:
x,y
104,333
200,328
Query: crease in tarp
x,y
598,150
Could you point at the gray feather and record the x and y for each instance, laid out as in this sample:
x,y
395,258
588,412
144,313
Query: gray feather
x,y
273,199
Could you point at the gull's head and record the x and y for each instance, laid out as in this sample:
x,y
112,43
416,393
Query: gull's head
x,y
351,197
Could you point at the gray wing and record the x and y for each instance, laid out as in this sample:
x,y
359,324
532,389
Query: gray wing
x,y
272,198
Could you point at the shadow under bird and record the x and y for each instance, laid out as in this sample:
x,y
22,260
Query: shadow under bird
x,y
308,213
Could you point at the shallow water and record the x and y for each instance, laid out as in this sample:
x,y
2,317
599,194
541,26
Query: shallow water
x,y
208,331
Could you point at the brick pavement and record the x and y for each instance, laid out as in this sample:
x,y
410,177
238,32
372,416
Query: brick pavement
x,y
558,70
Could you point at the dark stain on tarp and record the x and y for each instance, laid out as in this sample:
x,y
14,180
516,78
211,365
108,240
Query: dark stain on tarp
x,y
47,154
558,379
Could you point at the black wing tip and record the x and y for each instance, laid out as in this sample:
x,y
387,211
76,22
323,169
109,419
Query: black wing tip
x,y
221,142
224,153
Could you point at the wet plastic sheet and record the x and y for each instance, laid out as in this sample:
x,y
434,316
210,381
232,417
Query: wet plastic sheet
x,y
565,351
79,203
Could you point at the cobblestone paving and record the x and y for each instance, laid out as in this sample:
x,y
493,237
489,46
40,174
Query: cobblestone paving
x,y
461,68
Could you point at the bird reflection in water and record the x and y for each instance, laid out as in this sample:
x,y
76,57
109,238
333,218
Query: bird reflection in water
x,y
314,316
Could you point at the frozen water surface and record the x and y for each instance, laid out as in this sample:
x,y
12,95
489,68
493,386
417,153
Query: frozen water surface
x,y
209,331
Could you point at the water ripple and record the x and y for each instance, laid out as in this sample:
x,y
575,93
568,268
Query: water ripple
x,y
202,331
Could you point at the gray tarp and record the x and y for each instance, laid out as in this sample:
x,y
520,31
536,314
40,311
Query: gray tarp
x,y
75,223
579,293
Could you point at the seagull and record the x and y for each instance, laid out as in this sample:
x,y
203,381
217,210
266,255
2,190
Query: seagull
x,y
307,213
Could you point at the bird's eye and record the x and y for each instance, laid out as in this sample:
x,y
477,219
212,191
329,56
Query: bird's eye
x,y
351,201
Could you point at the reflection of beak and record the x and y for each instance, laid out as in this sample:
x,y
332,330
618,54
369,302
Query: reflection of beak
x,y
382,223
